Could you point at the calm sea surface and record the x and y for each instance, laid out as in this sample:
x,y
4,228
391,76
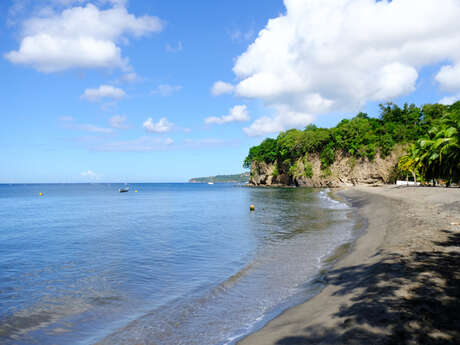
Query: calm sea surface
x,y
170,264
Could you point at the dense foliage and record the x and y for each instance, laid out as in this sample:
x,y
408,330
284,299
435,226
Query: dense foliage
x,y
433,130
436,155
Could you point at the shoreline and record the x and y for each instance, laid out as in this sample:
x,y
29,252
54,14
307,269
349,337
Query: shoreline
x,y
399,283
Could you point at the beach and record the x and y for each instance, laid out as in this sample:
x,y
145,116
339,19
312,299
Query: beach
x,y
399,283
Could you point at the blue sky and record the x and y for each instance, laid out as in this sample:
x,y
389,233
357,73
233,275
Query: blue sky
x,y
126,90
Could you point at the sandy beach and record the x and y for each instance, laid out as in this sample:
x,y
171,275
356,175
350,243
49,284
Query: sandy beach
x,y
400,283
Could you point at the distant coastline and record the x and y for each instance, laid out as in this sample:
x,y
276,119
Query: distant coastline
x,y
236,178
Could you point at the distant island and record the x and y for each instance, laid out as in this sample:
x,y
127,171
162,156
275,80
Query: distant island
x,y
237,178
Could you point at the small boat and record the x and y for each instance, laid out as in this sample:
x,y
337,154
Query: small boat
x,y
123,189
210,182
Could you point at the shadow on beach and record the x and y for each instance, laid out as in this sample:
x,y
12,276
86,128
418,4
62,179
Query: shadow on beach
x,y
399,300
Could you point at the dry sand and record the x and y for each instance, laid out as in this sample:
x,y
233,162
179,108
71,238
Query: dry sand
x,y
399,285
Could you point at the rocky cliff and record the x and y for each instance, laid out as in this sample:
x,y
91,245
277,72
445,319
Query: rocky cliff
x,y
344,171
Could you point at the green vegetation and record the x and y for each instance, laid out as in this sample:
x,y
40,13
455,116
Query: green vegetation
x,y
237,178
436,155
293,169
308,170
431,134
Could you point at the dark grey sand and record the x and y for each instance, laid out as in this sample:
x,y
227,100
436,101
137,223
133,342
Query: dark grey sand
x,y
399,285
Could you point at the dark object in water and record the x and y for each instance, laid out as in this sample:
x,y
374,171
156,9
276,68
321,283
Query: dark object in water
x,y
123,190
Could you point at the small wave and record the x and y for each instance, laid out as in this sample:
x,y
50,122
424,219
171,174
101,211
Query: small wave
x,y
325,195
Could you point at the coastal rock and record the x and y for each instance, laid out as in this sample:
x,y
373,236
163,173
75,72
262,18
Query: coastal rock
x,y
345,171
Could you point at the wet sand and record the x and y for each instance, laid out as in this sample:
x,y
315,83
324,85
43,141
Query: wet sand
x,y
400,284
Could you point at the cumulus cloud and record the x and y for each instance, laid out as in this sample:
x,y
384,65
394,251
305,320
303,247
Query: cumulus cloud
x,y
221,87
449,77
166,90
239,113
118,121
80,37
283,119
103,92
336,55
162,126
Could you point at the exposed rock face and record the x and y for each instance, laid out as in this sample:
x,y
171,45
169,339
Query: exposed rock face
x,y
344,171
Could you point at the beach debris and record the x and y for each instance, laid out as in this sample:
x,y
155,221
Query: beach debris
x,y
252,208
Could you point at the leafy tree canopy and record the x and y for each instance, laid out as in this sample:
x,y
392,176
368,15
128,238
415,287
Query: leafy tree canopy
x,y
433,130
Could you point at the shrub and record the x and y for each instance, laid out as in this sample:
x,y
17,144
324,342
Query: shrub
x,y
327,156
308,171
293,169
326,172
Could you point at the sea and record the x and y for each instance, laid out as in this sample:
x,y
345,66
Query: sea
x,y
168,264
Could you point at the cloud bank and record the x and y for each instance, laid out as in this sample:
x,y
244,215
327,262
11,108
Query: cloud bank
x,y
337,55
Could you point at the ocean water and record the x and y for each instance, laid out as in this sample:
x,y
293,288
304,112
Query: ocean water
x,y
170,264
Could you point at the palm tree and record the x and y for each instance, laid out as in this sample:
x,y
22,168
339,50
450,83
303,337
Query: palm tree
x,y
440,152
411,161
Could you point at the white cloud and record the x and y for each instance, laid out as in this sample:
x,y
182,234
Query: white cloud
x,y
283,119
104,91
162,126
80,37
118,121
221,87
166,90
449,100
142,144
174,48
336,55
449,77
91,175
238,113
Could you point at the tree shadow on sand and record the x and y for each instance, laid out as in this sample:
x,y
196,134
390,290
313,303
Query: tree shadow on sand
x,y
399,300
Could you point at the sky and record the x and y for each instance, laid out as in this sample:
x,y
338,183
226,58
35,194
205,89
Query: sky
x,y
162,91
